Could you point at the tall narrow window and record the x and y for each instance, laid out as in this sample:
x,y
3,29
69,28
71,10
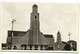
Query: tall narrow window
x,y
58,47
24,46
36,47
41,47
30,47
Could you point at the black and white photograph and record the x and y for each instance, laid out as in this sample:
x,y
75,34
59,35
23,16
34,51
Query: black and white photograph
x,y
39,26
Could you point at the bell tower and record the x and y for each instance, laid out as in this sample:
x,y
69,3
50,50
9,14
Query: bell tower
x,y
58,37
34,24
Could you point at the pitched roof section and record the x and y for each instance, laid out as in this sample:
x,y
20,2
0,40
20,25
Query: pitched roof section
x,y
72,41
48,36
21,33
64,42
16,33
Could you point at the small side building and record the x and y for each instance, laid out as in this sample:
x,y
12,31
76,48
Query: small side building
x,y
58,44
73,45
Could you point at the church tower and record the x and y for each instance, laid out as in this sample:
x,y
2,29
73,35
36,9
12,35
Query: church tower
x,y
58,37
34,25
32,39
59,45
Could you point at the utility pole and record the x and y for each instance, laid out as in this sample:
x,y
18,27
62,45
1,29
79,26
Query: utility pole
x,y
12,32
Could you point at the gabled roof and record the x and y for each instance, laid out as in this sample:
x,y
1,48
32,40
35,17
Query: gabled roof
x,y
16,33
21,33
72,41
64,42
48,36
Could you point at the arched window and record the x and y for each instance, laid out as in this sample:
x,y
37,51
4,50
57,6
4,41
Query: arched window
x,y
15,48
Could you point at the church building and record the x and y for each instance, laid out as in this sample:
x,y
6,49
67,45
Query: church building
x,y
33,39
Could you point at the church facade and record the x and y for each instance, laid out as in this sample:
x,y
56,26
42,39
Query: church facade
x,y
33,39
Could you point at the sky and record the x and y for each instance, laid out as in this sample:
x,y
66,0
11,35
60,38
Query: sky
x,y
53,17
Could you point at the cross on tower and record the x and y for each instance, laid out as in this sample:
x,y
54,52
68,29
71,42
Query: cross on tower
x,y
69,35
